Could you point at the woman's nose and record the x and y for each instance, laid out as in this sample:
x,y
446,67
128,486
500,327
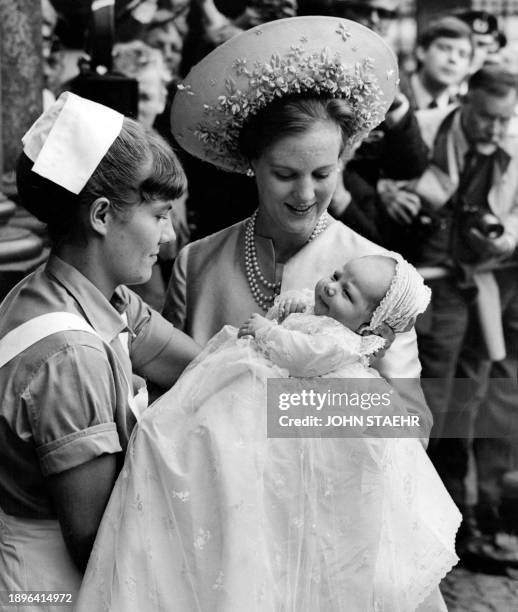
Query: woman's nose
x,y
168,234
305,191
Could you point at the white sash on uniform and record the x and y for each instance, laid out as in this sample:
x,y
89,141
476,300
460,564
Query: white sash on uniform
x,y
33,555
34,330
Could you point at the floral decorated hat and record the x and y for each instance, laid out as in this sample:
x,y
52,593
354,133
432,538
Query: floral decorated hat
x,y
325,56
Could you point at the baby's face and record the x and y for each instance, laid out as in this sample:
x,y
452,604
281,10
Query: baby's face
x,y
352,293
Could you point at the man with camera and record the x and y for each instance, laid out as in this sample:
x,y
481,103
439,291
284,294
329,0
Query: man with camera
x,y
466,230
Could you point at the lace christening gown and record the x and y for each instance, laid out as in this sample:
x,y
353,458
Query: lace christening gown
x,y
208,514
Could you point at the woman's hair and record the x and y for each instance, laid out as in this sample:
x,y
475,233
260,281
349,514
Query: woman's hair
x,y
139,166
293,115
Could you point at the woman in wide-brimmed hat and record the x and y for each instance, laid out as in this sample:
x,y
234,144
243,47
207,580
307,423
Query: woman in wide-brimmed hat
x,y
288,102
75,343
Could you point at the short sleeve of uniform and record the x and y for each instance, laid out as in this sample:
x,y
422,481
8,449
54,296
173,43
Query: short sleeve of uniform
x,y
152,333
71,404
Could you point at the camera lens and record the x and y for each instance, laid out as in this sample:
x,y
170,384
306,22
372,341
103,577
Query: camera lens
x,y
490,225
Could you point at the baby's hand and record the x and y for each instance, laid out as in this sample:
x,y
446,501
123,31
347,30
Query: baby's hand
x,y
286,306
254,323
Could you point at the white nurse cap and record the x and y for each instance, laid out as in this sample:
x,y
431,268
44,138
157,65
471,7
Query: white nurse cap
x,y
69,140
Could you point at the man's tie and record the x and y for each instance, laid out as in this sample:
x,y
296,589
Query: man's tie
x,y
476,175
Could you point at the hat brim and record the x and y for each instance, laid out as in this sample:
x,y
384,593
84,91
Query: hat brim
x,y
324,56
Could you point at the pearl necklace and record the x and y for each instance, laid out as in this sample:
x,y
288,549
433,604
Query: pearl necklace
x,y
254,275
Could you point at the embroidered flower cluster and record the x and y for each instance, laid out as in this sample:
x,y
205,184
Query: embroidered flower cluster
x,y
297,72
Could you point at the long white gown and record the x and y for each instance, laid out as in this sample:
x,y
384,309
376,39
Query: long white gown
x,y
208,514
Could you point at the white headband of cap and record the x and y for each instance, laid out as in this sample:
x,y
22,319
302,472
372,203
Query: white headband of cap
x,y
70,139
406,297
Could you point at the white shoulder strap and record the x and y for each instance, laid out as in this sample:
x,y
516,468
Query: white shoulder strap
x,y
34,330
124,336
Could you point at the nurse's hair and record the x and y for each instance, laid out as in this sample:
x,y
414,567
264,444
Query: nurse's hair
x,y
138,167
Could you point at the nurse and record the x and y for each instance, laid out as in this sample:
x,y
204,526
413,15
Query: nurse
x,y
76,345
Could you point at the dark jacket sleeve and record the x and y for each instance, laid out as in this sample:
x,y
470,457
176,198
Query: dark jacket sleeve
x,y
404,153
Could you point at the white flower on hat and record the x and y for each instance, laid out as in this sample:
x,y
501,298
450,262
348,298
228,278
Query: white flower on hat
x,y
321,56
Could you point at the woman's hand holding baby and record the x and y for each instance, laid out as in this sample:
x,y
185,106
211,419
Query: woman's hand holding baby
x,y
388,334
385,332
254,323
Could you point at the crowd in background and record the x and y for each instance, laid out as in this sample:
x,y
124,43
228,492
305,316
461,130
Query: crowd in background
x,y
411,186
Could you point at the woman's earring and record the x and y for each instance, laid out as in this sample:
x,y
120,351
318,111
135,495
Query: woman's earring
x,y
250,172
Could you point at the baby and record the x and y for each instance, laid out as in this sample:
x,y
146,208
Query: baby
x,y
361,307
211,513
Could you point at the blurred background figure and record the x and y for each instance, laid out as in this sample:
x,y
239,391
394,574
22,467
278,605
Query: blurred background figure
x,y
444,54
53,62
262,11
165,35
488,39
139,61
509,55
378,15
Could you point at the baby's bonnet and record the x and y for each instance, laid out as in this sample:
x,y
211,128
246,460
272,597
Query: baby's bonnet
x,y
406,298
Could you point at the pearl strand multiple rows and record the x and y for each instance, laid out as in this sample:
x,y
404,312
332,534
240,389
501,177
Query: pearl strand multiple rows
x,y
254,275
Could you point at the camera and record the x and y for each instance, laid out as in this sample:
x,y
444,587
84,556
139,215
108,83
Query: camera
x,y
484,221
426,223
468,250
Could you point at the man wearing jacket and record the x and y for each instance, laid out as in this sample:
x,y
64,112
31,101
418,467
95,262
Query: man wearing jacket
x,y
470,192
